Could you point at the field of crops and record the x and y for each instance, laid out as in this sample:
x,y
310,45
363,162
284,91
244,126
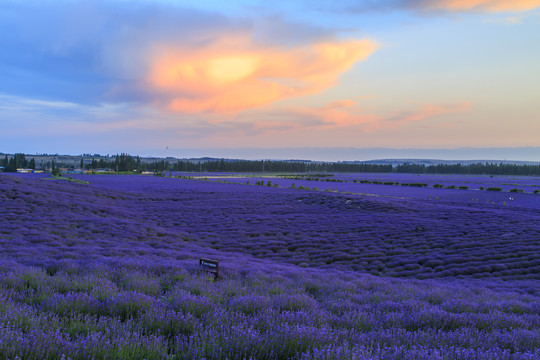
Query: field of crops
x,y
341,267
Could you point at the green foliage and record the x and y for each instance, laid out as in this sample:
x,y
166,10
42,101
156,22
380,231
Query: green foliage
x,y
17,161
492,188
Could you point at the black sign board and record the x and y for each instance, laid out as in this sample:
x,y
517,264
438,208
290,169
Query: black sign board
x,y
210,265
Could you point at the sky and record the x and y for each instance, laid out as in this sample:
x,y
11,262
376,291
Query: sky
x,y
249,78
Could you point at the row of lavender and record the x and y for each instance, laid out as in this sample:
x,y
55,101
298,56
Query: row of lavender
x,y
510,191
374,235
109,270
149,307
382,236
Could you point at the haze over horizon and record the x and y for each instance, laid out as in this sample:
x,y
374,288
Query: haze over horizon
x,y
357,154
320,82
515,155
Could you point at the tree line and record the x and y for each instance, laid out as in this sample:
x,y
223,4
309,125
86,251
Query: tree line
x,y
470,169
17,161
274,166
127,163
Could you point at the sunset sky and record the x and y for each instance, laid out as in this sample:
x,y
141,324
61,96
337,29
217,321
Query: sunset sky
x,y
160,77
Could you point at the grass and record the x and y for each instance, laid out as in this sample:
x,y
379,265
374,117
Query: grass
x,y
67,179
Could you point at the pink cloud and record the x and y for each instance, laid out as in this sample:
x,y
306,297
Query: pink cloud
x,y
347,114
232,74
478,5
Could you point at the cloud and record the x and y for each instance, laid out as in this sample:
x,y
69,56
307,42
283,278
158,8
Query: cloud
x,y
424,112
475,5
179,59
512,20
430,6
232,73
348,114
113,126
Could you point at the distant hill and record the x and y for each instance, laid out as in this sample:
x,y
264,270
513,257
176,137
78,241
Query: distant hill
x,y
126,162
428,162
494,154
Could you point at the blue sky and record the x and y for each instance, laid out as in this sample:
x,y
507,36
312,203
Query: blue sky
x,y
148,76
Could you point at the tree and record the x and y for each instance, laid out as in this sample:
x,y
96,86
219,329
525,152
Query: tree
x,y
139,167
12,166
5,163
18,161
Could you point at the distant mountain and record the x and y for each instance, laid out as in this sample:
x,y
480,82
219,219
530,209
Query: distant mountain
x,y
517,155
429,162
495,154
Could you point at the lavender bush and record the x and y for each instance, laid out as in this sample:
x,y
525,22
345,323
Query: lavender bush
x,y
109,270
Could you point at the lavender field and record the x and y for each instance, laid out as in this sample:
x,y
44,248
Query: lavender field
x,y
106,267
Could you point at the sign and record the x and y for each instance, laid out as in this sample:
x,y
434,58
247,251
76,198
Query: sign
x,y
210,265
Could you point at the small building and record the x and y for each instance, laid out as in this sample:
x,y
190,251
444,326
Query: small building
x,y
74,171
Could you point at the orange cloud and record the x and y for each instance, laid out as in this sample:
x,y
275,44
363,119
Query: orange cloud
x,y
486,5
347,113
232,74
427,111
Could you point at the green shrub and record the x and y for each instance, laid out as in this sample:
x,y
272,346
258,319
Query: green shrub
x,y
493,189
